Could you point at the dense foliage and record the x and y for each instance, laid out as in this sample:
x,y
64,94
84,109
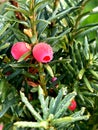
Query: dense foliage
x,y
41,89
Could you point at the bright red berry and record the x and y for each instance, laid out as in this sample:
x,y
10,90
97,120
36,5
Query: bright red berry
x,y
73,105
42,52
19,49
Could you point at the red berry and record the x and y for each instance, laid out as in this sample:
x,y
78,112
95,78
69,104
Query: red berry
x,y
73,105
42,52
19,49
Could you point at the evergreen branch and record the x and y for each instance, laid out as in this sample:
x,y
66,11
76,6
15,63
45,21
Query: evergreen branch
x,y
44,106
84,32
23,124
88,84
54,102
30,107
66,120
60,35
94,73
79,113
49,70
4,46
17,9
63,13
4,28
63,105
74,117
81,73
39,4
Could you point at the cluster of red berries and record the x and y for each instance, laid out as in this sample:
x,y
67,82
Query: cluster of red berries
x,y
42,52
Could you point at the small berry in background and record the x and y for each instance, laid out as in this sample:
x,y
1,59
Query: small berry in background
x,y
73,105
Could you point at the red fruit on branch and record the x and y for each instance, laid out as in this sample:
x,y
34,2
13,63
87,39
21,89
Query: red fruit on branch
x,y
73,105
43,52
19,49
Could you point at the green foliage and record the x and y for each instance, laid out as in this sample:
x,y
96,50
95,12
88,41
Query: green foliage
x,y
52,109
28,97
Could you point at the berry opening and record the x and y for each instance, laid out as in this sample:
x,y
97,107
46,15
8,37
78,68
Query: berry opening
x,y
46,58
